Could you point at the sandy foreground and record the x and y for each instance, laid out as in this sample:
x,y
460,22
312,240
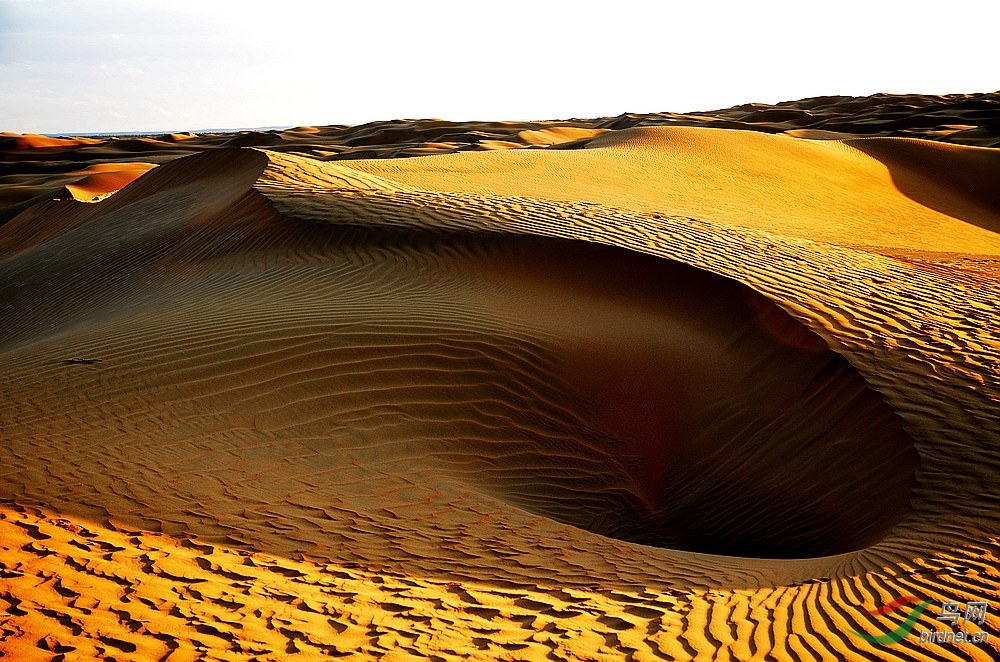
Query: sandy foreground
x,y
707,386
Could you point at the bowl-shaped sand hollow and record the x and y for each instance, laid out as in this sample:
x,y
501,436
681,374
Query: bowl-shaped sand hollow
x,y
724,425
625,394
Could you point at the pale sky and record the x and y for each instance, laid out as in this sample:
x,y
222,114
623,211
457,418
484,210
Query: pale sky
x,y
157,65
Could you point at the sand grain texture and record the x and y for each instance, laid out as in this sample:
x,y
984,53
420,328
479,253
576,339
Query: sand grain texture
x,y
623,392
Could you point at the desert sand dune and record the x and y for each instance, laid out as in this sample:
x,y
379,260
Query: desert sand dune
x,y
850,192
634,392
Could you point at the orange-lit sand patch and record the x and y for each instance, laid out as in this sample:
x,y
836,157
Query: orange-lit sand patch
x,y
104,178
35,141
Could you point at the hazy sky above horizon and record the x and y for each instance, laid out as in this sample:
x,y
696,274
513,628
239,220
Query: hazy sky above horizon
x,y
150,65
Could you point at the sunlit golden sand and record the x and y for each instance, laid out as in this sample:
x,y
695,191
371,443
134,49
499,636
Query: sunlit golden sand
x,y
584,390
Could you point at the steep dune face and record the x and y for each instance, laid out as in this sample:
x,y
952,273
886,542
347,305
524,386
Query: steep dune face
x,y
710,402
76,259
960,182
641,398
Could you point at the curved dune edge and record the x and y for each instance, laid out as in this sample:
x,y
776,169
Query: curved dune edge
x,y
933,361
101,180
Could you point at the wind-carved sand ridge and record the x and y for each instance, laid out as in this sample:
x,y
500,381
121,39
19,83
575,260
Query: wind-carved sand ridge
x,y
667,393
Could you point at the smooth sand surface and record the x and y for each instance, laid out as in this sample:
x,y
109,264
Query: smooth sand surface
x,y
579,390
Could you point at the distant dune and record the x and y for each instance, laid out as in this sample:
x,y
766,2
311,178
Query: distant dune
x,y
706,386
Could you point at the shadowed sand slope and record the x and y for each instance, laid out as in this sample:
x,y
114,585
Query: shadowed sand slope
x,y
640,399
